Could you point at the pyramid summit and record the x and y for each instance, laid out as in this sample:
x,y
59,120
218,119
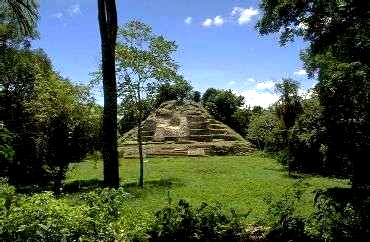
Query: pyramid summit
x,y
185,129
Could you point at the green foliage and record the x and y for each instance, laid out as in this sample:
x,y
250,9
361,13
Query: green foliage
x,y
338,33
285,224
340,218
129,114
265,131
206,223
6,151
222,105
289,105
339,215
197,96
18,21
144,60
306,148
42,217
205,179
180,91
54,122
241,119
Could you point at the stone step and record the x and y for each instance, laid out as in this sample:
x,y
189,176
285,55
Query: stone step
x,y
216,126
201,138
218,131
224,137
195,118
147,138
198,131
148,133
197,125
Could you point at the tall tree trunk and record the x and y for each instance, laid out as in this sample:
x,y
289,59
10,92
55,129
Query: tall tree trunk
x,y
140,140
107,14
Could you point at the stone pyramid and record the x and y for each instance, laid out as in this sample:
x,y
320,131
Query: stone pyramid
x,y
184,130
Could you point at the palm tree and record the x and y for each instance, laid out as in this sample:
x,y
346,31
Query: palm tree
x,y
25,12
107,15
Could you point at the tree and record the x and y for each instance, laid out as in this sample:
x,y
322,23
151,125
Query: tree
x,y
339,37
53,122
265,131
306,146
240,121
197,96
144,60
289,104
18,19
222,104
107,15
180,91
6,151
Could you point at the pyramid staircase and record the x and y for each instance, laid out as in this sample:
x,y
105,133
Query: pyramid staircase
x,y
183,130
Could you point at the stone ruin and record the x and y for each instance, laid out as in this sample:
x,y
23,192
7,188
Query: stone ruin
x,y
184,130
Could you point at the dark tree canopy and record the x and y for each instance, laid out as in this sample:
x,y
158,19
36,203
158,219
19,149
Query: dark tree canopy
x,y
222,104
339,36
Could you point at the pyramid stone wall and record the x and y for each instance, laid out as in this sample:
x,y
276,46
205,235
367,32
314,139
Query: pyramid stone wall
x,y
184,129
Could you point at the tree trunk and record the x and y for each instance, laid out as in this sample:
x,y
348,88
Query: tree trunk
x,y
140,140
107,14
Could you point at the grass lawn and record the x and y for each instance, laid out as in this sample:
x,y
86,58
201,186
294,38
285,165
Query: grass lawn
x,y
242,183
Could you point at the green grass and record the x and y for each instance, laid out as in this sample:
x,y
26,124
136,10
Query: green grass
x,y
242,183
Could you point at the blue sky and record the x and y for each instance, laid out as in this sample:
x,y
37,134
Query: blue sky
x,y
218,44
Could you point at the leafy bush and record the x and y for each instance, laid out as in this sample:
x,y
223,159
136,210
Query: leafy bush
x,y
340,219
265,131
6,151
285,224
180,90
54,121
42,217
206,223
105,208
222,104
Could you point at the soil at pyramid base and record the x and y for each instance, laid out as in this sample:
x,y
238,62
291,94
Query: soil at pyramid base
x,y
184,129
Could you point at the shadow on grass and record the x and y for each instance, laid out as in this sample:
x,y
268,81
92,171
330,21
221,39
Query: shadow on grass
x,y
295,175
81,186
161,183
344,195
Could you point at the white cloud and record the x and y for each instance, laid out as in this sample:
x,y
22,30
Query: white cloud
x,y
265,85
74,9
58,15
260,94
300,73
253,98
244,15
218,21
207,23
231,83
188,20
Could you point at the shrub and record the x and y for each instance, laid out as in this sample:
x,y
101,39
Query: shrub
x,y
206,223
42,217
340,219
285,224
265,131
105,208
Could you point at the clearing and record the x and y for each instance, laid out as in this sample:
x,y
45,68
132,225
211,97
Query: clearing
x,y
242,183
